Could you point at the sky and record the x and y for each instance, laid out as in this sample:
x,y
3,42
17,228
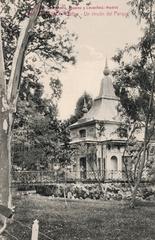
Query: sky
x,y
102,29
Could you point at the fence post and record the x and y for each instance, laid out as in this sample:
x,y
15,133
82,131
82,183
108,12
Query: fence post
x,y
35,230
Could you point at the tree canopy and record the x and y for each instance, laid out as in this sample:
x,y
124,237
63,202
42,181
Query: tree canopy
x,y
50,45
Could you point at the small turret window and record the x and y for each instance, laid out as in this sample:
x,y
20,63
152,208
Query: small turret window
x,y
82,133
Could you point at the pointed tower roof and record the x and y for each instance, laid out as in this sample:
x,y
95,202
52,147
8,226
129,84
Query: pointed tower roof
x,y
106,87
104,107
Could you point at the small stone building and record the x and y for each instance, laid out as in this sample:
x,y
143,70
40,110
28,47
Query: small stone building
x,y
98,146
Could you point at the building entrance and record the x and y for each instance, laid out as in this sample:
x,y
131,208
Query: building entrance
x,y
83,173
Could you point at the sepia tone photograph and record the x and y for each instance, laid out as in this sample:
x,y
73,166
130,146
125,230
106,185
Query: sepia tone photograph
x,y
77,119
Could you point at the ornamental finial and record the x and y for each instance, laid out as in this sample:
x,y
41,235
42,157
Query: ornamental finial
x,y
106,69
85,107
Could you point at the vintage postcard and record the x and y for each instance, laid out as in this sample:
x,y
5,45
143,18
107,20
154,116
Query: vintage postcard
x,y
77,119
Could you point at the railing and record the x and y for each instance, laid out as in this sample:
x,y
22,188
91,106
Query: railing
x,y
49,177
34,177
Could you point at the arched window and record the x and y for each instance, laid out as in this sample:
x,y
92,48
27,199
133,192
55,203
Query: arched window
x,y
114,163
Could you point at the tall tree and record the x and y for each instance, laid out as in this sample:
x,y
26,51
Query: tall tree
x,y
135,85
28,32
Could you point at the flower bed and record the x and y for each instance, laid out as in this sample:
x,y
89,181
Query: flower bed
x,y
105,191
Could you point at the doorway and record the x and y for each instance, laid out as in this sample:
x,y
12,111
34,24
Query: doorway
x,y
83,173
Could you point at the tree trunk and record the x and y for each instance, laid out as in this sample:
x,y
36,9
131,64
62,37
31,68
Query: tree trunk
x,y
8,101
5,163
4,142
142,163
134,193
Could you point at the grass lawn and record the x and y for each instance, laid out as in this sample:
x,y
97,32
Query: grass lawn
x,y
82,220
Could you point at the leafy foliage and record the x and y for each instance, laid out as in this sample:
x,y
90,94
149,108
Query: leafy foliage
x,y
39,138
134,83
50,43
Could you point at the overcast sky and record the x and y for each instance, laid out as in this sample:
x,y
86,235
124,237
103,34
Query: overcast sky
x,y
98,36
